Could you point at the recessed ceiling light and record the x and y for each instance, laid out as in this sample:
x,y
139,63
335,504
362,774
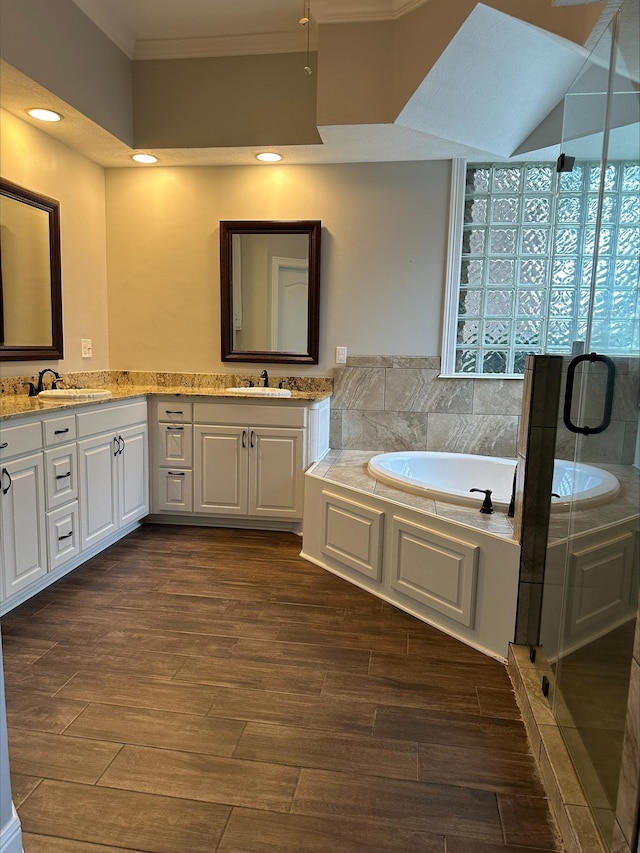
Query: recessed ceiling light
x,y
144,158
269,157
44,115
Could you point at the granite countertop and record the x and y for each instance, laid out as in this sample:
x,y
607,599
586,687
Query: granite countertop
x,y
16,406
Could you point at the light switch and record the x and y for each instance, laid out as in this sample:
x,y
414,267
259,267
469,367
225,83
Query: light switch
x,y
341,355
87,350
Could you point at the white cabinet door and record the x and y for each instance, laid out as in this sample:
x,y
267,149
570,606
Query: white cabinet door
x,y
133,473
24,553
276,472
98,487
220,470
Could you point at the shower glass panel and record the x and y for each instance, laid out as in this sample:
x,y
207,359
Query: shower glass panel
x,y
590,598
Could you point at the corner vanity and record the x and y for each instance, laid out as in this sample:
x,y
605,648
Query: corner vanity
x,y
77,477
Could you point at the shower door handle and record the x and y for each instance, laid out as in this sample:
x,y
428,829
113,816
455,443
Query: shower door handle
x,y
608,398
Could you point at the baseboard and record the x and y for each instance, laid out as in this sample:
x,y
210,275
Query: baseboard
x,y
11,835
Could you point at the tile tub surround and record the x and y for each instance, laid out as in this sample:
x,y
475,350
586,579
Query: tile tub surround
x,y
402,403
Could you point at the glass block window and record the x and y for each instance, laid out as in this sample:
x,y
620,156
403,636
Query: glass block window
x,y
527,266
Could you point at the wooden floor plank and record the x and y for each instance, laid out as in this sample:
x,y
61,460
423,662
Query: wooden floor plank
x,y
59,756
207,778
268,832
138,821
163,729
437,809
393,759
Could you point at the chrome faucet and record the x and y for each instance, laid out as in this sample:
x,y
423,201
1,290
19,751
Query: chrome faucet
x,y
265,377
34,391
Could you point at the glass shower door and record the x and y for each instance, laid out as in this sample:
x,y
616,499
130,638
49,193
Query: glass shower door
x,y
590,600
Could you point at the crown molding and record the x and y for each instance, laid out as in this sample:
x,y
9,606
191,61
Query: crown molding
x,y
249,45
353,11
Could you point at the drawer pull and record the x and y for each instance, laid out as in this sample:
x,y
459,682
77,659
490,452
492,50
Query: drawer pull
x,y
8,486
65,536
176,473
169,412
63,476
175,429
60,431
4,445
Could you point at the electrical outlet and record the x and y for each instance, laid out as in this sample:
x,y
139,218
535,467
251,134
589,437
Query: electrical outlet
x,y
341,355
87,350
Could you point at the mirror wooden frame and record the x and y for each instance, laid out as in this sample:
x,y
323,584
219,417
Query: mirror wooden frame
x,y
230,229
51,207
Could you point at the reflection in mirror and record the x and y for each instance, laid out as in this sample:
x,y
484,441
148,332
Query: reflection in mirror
x,y
30,276
269,284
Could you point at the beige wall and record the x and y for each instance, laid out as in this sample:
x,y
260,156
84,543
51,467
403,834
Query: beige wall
x,y
34,160
142,280
382,260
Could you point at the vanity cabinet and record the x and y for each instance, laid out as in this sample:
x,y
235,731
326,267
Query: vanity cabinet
x,y
249,470
113,470
237,459
71,484
22,517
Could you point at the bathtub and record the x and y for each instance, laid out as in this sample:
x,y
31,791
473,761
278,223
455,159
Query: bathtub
x,y
450,476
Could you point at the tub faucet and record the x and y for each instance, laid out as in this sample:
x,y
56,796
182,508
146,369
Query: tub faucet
x,y
35,390
512,503
487,506
265,377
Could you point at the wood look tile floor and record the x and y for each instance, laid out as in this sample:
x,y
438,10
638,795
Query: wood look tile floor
x,y
197,690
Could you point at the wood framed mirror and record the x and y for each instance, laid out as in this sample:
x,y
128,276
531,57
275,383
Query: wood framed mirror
x,y
30,275
270,291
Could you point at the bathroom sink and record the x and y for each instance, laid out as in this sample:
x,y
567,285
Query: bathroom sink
x,y
259,391
56,395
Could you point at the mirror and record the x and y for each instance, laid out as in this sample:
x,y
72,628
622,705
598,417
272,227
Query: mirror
x,y
30,275
269,291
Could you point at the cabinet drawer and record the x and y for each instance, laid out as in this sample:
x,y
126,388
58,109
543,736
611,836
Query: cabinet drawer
x,y
19,439
63,534
174,490
237,413
59,430
174,445
61,475
173,411
106,418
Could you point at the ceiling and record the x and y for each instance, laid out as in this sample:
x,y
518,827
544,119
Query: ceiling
x,y
160,29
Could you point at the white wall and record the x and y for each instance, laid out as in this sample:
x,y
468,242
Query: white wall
x,y
35,161
382,260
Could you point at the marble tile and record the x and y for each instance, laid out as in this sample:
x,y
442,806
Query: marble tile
x,y
369,361
421,362
619,842
413,390
360,388
585,830
490,435
497,396
384,431
601,448
556,767
420,502
498,523
629,442
335,429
